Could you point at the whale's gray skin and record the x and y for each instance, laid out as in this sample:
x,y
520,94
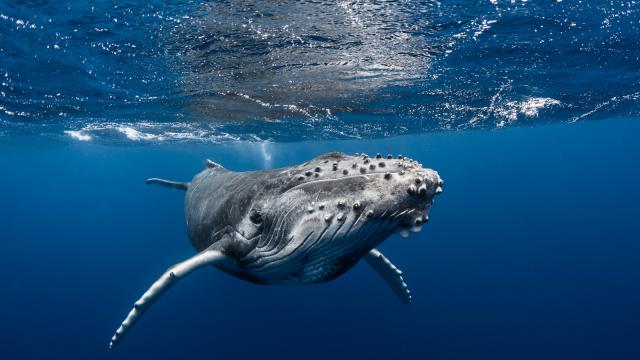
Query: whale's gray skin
x,y
304,224
308,223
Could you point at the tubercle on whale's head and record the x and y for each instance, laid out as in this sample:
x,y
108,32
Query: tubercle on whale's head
x,y
359,199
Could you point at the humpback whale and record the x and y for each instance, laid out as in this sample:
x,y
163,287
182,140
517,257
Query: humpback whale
x,y
297,225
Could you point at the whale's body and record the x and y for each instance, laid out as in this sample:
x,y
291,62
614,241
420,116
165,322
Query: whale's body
x,y
303,224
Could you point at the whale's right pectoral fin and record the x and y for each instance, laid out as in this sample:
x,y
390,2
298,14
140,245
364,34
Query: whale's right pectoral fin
x,y
172,184
170,277
390,274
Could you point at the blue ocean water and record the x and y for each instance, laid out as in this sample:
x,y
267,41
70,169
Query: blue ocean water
x,y
228,70
531,252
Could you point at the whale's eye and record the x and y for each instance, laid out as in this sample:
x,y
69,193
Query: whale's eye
x,y
255,216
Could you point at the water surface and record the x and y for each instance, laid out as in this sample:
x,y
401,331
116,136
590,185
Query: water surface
x,y
288,70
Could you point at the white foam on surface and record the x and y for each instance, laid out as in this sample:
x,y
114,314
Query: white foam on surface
x,y
146,131
78,135
135,135
530,107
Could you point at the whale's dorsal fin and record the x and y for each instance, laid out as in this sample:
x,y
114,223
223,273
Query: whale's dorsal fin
x,y
170,277
172,184
390,274
213,165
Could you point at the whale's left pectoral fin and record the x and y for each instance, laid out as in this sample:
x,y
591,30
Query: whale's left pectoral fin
x,y
390,274
170,277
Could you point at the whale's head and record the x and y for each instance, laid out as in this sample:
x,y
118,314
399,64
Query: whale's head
x,y
322,216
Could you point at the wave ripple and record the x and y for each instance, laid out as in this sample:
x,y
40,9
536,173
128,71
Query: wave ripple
x,y
290,70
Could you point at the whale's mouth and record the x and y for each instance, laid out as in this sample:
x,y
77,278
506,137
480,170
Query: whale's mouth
x,y
413,224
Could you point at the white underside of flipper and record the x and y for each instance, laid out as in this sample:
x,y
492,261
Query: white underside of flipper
x,y
170,277
390,274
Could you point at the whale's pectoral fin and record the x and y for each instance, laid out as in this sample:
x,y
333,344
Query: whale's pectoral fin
x,y
390,274
167,183
170,277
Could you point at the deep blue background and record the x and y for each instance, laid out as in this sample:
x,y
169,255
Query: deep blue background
x,y
532,252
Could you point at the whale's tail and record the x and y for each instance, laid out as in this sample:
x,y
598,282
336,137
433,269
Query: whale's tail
x,y
172,184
